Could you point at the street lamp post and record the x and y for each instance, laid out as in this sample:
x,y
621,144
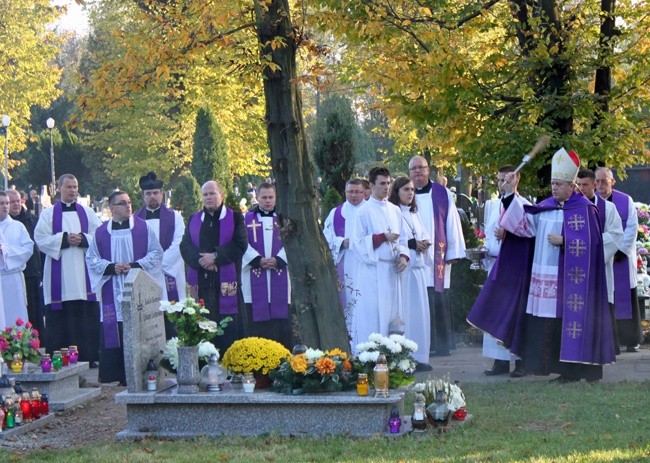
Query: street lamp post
x,y
6,120
50,125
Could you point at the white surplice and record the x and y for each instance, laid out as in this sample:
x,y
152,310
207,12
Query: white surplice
x,y
122,252
377,302
172,262
344,256
453,229
15,250
613,236
415,301
251,254
73,272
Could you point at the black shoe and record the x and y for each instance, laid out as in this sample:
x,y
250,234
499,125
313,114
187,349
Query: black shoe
x,y
500,367
519,371
423,367
564,379
634,348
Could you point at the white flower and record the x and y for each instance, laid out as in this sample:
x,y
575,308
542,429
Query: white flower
x,y
394,347
405,366
419,387
365,357
376,337
397,338
206,349
313,354
164,306
364,346
209,326
203,310
456,398
410,345
189,310
170,352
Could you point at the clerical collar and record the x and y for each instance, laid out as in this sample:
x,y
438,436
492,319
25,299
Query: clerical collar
x,y
115,225
153,214
425,189
66,207
264,213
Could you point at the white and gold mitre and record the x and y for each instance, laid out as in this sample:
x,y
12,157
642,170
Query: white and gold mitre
x,y
565,165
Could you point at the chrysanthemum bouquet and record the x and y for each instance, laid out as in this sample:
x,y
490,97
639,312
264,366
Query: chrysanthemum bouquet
x,y
20,339
314,371
252,354
398,351
452,392
193,328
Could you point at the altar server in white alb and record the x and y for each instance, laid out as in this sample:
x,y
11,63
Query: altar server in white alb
x,y
415,302
168,226
337,231
63,233
382,250
265,277
442,221
121,244
15,250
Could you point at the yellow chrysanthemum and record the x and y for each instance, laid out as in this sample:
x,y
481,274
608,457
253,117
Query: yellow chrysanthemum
x,y
299,363
336,351
325,366
254,354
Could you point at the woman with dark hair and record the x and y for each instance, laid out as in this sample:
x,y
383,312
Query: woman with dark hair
x,y
415,301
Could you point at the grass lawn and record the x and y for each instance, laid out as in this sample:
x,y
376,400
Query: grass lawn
x,y
512,422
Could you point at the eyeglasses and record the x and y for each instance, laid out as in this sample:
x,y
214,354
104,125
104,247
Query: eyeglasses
x,y
418,167
122,203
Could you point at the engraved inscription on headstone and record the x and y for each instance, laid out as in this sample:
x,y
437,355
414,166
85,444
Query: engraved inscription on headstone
x,y
144,327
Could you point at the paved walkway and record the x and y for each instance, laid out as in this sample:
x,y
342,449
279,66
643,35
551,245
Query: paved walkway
x,y
466,364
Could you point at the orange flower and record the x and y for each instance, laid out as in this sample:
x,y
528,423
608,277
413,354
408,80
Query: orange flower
x,y
336,351
347,365
325,366
299,363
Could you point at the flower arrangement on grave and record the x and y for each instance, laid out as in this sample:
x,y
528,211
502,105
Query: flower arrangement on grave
x,y
252,354
20,341
643,230
314,371
452,392
398,351
193,329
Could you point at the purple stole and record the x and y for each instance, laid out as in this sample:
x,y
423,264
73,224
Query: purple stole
x,y
622,297
166,232
55,276
228,304
440,202
140,237
582,287
278,308
339,230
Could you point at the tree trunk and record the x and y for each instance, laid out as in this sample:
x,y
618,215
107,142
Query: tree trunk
x,y
313,276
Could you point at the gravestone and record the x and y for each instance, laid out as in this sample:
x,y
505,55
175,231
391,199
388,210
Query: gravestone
x,y
144,327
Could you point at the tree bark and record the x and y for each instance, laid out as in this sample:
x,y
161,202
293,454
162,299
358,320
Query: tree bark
x,y
313,277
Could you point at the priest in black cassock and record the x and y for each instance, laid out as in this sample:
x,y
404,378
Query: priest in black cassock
x,y
213,245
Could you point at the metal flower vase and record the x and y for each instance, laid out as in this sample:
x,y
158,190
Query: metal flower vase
x,y
188,374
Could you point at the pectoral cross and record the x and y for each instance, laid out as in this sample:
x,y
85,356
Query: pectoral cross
x,y
254,225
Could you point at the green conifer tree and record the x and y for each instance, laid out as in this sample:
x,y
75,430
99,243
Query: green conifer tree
x,y
210,159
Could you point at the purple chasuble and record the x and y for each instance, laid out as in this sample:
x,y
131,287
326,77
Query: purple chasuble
x,y
166,236
622,299
140,237
227,272
587,335
339,230
440,202
278,308
55,273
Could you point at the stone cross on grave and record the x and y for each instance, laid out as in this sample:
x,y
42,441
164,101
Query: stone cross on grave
x,y
577,275
254,225
576,222
139,307
574,330
575,302
577,247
